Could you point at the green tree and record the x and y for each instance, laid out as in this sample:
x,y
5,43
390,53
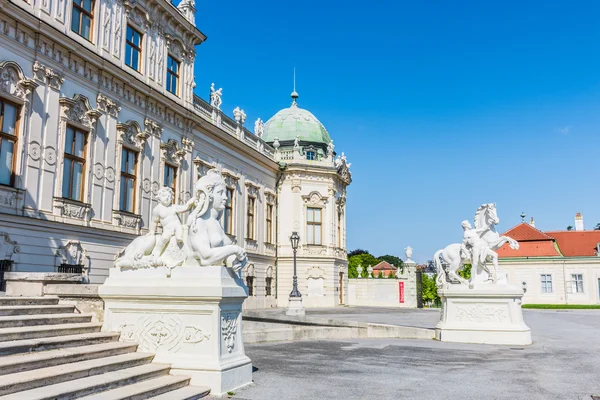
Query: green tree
x,y
465,272
380,274
357,252
364,260
395,261
429,290
392,275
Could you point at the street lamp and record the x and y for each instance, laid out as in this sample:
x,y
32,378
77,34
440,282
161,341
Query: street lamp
x,y
295,306
295,239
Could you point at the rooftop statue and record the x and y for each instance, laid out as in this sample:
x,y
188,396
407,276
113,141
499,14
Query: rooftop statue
x,y
200,242
477,248
215,97
259,128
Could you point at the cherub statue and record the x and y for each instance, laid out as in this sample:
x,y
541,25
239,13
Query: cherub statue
x,y
165,214
297,142
208,244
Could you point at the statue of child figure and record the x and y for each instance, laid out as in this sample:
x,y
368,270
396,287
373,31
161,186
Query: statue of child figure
x,y
165,214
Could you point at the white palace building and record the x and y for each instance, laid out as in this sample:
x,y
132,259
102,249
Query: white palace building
x,y
98,113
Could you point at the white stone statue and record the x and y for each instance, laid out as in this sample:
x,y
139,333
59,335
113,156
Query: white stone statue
x,y
239,115
408,251
330,148
477,248
297,143
359,270
215,97
259,128
147,250
165,214
207,242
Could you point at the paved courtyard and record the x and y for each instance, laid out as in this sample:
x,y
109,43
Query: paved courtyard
x,y
563,363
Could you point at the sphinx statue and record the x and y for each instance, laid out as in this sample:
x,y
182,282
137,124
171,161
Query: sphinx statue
x,y
201,241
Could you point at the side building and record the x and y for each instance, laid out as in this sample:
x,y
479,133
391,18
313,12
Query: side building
x,y
554,267
97,113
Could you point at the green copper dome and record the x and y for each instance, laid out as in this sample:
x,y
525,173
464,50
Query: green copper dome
x,y
295,121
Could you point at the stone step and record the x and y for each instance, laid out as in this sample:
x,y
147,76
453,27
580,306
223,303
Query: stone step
x,y
185,393
13,321
36,309
56,342
144,389
28,301
43,359
34,332
27,380
92,384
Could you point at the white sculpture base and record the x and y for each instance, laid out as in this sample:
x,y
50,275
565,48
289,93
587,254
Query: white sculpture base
x,y
489,314
295,307
190,317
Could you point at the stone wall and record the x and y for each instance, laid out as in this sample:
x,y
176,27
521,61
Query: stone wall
x,y
383,292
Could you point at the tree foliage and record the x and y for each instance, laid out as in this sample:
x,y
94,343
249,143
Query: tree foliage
x,y
465,272
357,252
362,259
429,290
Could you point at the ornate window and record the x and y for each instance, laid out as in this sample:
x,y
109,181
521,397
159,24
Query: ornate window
x,y
74,163
170,178
546,283
133,48
313,225
310,155
129,160
82,17
269,282
250,279
269,237
228,214
9,127
250,217
172,155
172,75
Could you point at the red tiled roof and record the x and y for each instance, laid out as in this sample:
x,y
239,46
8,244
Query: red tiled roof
x,y
540,248
577,243
526,232
384,266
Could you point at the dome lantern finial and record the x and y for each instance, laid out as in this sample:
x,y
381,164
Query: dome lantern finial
x,y
294,93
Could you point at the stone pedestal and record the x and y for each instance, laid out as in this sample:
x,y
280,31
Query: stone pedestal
x,y
295,307
489,314
190,317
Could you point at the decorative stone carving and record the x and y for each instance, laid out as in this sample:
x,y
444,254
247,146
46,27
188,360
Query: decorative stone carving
x,y
477,249
152,128
171,152
161,333
155,188
259,128
131,134
343,168
47,75
108,105
270,196
72,209
239,115
341,203
230,178
188,9
408,251
78,110
50,155
35,150
73,253
175,48
146,185
98,171
229,330
117,23
315,272
315,199
127,220
215,97
480,312
202,166
252,189
330,148
7,247
13,82
109,173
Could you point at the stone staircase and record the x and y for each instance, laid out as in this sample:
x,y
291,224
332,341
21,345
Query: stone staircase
x,y
48,351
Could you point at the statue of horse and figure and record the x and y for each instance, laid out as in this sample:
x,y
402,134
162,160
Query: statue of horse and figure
x,y
477,248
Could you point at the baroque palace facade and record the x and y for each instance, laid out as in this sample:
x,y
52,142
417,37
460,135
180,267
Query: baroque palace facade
x,y
98,112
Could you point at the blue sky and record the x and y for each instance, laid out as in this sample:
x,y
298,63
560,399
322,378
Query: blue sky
x,y
439,108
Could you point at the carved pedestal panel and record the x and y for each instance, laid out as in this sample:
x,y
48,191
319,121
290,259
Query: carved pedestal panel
x,y
190,317
488,314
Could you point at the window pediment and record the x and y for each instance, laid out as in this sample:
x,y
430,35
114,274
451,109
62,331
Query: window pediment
x,y
315,199
131,134
14,82
172,152
78,110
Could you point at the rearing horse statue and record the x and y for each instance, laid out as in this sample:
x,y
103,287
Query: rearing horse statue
x,y
453,255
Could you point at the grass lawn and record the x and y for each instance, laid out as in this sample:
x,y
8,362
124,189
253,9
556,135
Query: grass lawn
x,y
562,306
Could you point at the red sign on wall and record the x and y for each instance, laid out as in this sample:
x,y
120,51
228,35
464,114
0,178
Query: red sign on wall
x,y
401,290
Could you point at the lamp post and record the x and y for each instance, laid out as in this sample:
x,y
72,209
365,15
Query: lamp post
x,y
295,306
